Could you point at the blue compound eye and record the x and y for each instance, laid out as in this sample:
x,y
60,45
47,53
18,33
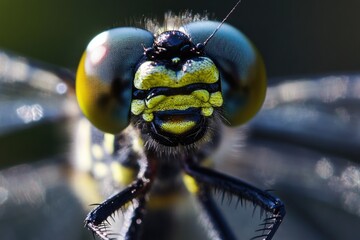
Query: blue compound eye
x,y
105,74
241,68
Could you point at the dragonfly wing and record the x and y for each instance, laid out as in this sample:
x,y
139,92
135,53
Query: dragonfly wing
x,y
34,98
304,145
31,92
36,199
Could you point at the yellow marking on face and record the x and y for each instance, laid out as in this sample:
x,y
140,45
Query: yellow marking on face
x,y
190,183
178,102
216,99
207,111
109,143
203,95
148,117
137,106
152,102
183,102
178,127
122,175
150,75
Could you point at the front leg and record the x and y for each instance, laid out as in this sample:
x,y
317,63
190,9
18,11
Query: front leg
x,y
208,178
97,219
211,217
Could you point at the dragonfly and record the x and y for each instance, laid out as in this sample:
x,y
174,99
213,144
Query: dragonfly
x,y
303,144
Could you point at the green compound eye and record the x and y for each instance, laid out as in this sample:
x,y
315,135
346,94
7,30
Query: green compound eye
x,y
105,74
242,70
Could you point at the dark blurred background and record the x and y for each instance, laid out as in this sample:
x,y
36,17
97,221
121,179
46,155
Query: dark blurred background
x,y
295,37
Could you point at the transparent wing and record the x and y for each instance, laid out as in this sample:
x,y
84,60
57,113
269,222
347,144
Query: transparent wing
x,y
304,145
33,96
36,109
31,92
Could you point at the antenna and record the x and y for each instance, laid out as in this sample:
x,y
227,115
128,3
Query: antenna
x,y
222,22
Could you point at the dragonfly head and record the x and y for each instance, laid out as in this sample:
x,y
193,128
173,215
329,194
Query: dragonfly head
x,y
172,87
176,89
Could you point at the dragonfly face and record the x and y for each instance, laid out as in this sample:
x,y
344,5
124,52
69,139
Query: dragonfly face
x,y
168,94
171,91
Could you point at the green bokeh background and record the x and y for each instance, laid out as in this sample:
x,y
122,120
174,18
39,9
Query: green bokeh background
x,y
295,37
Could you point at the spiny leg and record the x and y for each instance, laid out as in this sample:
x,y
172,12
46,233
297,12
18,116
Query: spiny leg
x,y
215,223
215,180
133,228
96,220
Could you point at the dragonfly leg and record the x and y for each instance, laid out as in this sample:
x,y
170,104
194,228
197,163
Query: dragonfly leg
x,y
213,220
211,179
97,219
133,230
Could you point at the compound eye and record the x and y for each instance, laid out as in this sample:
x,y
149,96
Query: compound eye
x,y
105,75
241,69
